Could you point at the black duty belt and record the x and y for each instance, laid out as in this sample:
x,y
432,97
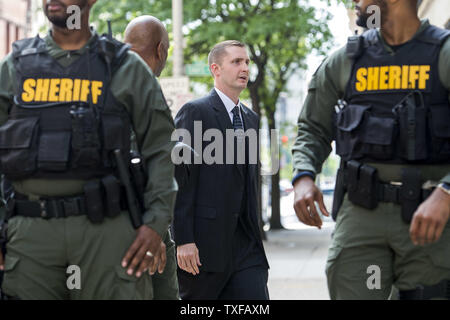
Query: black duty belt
x,y
52,207
388,192
365,189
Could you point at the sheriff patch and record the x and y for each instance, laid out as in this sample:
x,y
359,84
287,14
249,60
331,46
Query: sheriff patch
x,y
60,90
389,78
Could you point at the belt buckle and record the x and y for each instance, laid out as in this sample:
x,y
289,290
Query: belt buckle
x,y
44,210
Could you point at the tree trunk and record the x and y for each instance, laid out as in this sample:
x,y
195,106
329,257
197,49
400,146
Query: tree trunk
x,y
255,103
275,219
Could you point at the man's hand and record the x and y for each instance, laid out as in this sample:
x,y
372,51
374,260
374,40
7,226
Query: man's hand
x,y
146,240
159,261
188,258
306,194
430,219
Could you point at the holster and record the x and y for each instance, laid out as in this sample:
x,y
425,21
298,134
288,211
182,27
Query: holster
x,y
138,177
411,193
362,184
339,191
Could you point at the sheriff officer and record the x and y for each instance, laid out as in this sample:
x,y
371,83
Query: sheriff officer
x,y
68,103
392,132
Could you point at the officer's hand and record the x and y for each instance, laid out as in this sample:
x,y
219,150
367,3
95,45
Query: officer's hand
x,y
146,240
306,194
188,258
159,261
430,219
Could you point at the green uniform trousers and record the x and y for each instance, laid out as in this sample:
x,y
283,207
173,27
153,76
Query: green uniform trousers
x,y
376,243
43,254
165,285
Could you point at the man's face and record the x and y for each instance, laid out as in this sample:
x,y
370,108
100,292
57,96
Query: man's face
x,y
233,69
56,10
361,10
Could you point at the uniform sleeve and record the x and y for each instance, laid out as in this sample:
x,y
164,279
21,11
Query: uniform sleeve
x,y
444,66
6,97
135,86
6,87
315,127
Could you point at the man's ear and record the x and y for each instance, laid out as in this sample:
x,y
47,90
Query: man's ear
x,y
215,69
160,51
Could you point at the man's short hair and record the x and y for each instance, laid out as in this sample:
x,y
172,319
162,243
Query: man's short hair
x,y
219,50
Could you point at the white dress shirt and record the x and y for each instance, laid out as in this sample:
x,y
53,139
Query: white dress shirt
x,y
229,105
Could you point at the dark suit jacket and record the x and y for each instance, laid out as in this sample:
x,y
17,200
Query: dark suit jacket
x,y
208,205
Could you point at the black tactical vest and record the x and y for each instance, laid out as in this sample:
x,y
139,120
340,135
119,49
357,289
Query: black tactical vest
x,y
64,123
397,108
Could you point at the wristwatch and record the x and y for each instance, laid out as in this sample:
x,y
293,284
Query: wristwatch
x,y
445,187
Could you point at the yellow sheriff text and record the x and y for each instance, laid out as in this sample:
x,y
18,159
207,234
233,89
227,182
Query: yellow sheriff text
x,y
61,90
392,78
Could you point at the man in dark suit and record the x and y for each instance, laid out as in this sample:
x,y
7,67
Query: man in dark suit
x,y
219,248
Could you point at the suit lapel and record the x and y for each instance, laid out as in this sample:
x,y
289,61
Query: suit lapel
x,y
221,112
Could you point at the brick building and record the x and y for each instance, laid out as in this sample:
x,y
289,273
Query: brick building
x,y
15,23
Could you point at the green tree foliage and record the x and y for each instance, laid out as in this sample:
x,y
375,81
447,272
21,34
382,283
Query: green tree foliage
x,y
120,12
279,34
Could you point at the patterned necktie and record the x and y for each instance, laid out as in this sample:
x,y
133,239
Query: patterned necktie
x,y
237,122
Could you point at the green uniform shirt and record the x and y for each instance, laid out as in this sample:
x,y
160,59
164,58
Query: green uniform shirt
x,y
313,144
135,87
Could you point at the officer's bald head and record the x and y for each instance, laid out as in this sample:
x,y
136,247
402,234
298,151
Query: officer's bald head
x,y
149,38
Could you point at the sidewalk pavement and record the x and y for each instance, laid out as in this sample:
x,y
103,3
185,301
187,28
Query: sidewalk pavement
x,y
297,261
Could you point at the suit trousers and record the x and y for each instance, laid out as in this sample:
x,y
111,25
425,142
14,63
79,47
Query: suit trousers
x,y
245,276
